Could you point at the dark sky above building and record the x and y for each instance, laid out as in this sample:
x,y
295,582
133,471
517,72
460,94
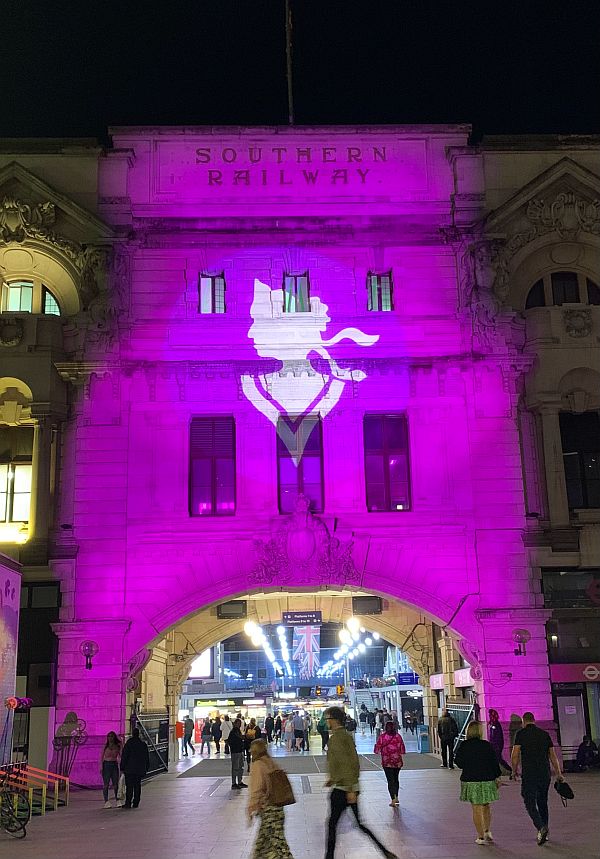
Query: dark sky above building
x,y
506,66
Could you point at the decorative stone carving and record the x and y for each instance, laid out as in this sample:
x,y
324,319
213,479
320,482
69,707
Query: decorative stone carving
x,y
19,220
303,545
484,280
566,214
11,331
578,323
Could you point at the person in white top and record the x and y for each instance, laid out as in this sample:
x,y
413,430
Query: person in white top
x,y
226,726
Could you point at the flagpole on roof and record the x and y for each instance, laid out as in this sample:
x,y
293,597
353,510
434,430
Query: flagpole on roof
x,y
288,57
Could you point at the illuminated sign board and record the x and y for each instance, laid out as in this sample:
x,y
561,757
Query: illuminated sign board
x,y
436,681
302,618
220,703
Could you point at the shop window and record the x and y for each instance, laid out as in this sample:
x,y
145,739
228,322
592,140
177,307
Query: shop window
x,y
300,462
212,467
386,463
296,293
580,437
379,288
211,293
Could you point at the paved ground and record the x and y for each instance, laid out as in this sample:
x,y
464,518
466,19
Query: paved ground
x,y
201,817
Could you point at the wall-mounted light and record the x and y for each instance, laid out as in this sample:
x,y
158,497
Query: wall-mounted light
x,y
521,637
89,649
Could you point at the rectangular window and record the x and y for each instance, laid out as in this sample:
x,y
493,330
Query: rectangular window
x,y
15,491
212,467
296,293
379,287
299,440
580,437
565,288
386,463
211,293
18,296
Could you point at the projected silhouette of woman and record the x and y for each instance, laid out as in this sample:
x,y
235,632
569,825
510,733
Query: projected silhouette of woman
x,y
298,390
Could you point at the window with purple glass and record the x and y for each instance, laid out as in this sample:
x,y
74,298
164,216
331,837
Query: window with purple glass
x,y
300,462
386,463
212,466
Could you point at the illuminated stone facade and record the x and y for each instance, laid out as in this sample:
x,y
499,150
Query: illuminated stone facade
x,y
186,301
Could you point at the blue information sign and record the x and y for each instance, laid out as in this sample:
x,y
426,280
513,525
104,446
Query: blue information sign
x,y
302,618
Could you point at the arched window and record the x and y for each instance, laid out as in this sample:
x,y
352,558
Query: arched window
x,y
562,287
28,296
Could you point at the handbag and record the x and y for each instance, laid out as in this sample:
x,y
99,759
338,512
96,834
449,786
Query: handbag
x,y
121,787
564,790
280,789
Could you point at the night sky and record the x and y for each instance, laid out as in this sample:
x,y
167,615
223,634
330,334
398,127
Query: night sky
x,y
74,68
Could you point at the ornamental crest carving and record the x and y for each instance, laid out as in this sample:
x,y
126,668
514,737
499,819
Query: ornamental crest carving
x,y
11,332
578,323
19,220
301,549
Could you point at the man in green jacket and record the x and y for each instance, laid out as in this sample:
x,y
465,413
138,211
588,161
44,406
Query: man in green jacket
x,y
343,769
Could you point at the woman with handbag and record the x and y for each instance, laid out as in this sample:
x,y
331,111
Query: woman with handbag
x,y
270,791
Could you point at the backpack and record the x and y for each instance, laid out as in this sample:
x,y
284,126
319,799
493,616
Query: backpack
x,y
280,789
350,725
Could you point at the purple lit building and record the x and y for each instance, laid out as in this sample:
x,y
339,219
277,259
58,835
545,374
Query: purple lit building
x,y
296,365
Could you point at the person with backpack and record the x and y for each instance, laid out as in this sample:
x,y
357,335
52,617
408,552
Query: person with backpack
x,y
447,732
270,791
363,718
390,746
534,750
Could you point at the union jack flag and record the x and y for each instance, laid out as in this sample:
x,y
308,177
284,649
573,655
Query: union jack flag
x,y
307,650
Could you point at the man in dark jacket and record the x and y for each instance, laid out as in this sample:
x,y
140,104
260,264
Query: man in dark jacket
x,y
236,747
447,732
135,761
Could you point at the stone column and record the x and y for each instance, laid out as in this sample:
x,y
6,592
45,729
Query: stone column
x,y
98,695
558,505
39,508
450,663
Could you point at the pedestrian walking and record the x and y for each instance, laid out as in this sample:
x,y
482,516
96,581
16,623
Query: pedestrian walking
x,y
215,730
479,780
135,762
298,723
237,748
496,738
188,730
379,726
270,841
343,774
226,726
534,750
362,718
269,725
323,731
289,733
277,728
371,719
206,736
109,766
390,746
447,732
306,732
